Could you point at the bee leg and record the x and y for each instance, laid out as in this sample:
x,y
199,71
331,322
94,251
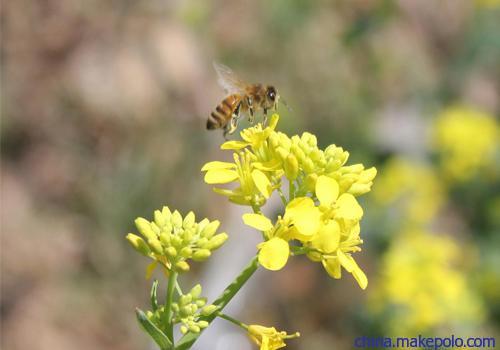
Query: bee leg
x,y
250,109
265,116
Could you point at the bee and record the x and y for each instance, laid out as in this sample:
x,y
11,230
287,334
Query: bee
x,y
242,99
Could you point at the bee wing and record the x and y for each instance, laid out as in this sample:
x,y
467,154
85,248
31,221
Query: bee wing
x,y
228,80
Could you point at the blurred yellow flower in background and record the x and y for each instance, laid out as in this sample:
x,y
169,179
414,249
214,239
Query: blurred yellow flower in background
x,y
422,289
412,188
467,142
268,338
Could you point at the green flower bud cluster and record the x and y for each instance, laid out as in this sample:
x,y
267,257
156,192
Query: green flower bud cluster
x,y
188,308
171,239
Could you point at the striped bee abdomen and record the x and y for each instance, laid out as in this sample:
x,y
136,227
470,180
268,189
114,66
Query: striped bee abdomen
x,y
223,112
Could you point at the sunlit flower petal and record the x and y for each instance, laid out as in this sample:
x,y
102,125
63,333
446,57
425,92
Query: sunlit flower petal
x,y
257,221
220,176
262,182
233,145
274,253
328,237
216,165
327,190
349,207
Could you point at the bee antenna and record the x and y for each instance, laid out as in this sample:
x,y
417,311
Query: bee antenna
x,y
286,104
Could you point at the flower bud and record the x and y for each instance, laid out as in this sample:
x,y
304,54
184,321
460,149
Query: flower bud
x,y
308,165
187,235
144,227
201,302
184,329
185,299
216,241
155,246
138,244
176,241
186,252
195,291
182,266
159,218
203,324
201,254
194,328
310,182
171,252
188,220
202,242
291,167
177,219
201,225
210,229
165,239
208,310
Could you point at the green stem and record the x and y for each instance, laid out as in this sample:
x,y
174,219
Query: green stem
x,y
188,340
172,281
232,320
282,196
291,190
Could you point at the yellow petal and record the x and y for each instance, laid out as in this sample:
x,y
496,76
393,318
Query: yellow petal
x,y
307,221
234,145
332,267
220,176
257,221
349,207
346,261
328,237
360,277
262,182
273,121
271,165
273,254
327,190
218,165
150,269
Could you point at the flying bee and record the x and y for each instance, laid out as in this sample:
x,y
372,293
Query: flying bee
x,y
242,99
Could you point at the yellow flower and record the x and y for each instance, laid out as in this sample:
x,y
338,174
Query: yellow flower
x,y
254,136
301,221
338,235
423,286
268,338
467,141
411,189
254,187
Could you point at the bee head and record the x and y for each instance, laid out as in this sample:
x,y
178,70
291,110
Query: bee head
x,y
272,95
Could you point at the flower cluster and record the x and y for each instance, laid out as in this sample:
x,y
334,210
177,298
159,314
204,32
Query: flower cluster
x,y
171,240
423,286
321,215
268,338
467,142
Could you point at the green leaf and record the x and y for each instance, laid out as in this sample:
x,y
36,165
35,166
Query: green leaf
x,y
158,336
154,299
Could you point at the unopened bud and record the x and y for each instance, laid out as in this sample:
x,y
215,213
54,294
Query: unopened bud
x,y
195,291
184,329
208,310
144,227
185,299
171,252
186,252
177,219
155,246
188,220
202,324
210,229
182,266
201,254
194,328
160,218
291,167
138,244
217,241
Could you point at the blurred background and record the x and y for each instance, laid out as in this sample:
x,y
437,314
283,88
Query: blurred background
x,y
104,106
